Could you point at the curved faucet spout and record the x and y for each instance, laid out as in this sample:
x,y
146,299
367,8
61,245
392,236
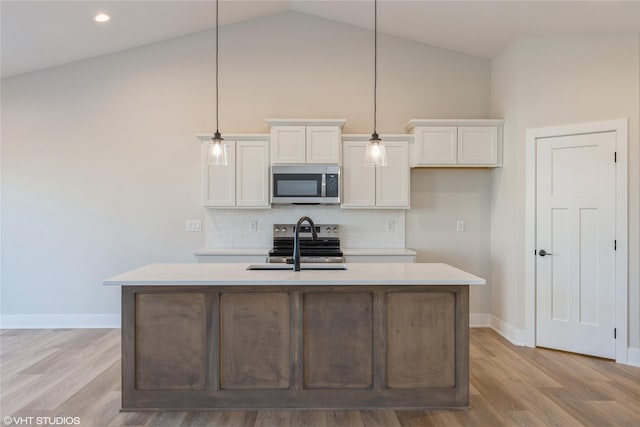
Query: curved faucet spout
x,y
296,240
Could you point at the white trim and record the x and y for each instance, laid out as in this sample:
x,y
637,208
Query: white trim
x,y
479,320
633,358
411,124
306,122
514,335
619,126
59,321
403,137
206,137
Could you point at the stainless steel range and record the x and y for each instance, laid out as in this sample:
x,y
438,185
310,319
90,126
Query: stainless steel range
x,y
325,249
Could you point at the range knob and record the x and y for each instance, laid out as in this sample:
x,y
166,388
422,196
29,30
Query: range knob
x,y
284,229
277,230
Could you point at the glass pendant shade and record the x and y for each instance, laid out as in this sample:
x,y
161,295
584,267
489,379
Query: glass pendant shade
x,y
217,151
375,154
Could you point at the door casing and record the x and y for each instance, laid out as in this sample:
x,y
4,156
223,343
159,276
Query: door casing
x,y
620,127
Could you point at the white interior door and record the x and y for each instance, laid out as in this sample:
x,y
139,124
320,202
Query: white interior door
x,y
575,226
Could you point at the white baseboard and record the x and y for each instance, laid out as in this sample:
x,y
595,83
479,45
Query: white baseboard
x,y
508,331
479,320
633,356
59,321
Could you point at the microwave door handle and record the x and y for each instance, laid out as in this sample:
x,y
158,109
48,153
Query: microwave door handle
x,y
323,191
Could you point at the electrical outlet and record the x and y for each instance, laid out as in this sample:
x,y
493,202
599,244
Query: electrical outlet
x,y
254,225
389,225
460,225
194,225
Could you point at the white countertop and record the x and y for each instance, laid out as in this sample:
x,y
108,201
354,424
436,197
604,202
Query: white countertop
x,y
237,275
379,251
345,251
232,251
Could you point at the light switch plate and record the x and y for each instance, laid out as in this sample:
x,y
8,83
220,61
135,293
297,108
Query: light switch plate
x,y
194,225
460,225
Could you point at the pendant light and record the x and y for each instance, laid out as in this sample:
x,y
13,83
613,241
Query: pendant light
x,y
218,149
375,154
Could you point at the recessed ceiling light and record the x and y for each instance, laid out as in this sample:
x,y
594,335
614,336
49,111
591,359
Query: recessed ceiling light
x,y
101,17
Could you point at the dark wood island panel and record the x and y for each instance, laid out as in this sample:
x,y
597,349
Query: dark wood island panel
x,y
249,347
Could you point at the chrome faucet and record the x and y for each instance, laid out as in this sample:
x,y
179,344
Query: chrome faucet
x,y
296,240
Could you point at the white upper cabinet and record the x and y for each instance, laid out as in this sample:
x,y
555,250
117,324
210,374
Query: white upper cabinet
x,y
219,182
252,174
375,187
288,144
437,145
392,181
244,182
358,180
323,144
478,145
456,143
305,141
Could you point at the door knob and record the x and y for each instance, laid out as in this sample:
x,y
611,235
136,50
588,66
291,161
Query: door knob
x,y
542,252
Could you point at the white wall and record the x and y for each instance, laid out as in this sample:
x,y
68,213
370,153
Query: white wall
x,y
100,166
441,197
547,81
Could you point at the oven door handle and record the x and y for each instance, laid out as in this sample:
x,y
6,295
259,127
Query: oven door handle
x,y
323,189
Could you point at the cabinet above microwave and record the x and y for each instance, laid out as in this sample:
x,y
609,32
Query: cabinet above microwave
x,y
297,141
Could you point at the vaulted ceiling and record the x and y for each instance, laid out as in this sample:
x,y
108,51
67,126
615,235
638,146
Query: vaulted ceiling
x,y
41,34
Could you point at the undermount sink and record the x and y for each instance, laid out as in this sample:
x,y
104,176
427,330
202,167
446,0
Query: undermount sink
x,y
304,266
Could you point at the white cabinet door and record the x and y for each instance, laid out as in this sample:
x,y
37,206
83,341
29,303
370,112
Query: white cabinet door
x,y
252,174
435,145
323,144
288,144
358,180
392,181
478,145
219,182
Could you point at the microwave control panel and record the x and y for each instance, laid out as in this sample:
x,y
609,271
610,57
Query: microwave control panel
x,y
332,185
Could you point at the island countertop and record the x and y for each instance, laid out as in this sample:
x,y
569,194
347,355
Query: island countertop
x,y
193,274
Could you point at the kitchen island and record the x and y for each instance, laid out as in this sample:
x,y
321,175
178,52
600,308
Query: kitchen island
x,y
218,336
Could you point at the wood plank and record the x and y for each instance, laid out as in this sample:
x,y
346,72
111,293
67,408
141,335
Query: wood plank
x,y
415,418
380,419
338,340
273,419
296,348
576,406
421,334
310,419
175,322
201,419
254,340
166,419
237,419
531,404
345,418
131,419
41,391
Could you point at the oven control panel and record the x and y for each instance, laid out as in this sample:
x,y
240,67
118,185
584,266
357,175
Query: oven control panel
x,y
323,230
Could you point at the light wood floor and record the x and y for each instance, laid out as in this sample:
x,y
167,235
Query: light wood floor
x,y
76,373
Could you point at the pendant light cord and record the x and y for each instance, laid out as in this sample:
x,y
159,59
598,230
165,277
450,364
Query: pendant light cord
x,y
375,63
217,96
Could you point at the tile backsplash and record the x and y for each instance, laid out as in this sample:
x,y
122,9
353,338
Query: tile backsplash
x,y
253,228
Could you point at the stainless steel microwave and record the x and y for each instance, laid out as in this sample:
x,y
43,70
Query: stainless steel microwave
x,y
305,184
